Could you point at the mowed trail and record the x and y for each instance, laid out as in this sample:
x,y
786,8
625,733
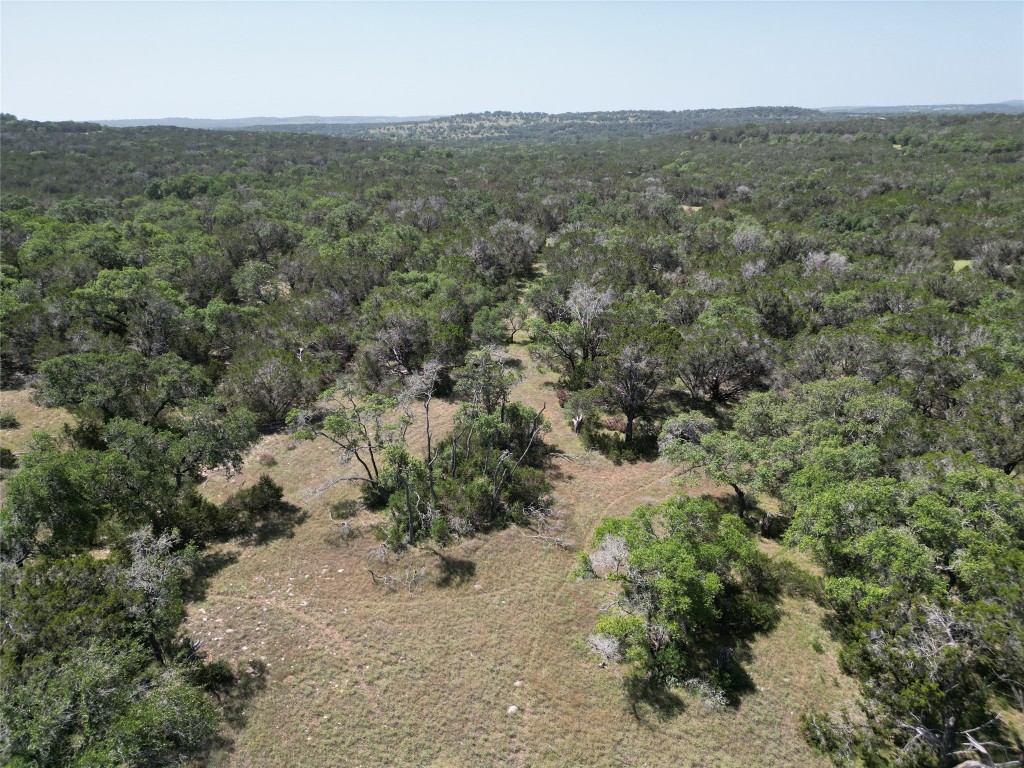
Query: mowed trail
x,y
425,675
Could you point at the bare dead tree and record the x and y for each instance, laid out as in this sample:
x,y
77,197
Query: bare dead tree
x,y
981,749
611,555
421,387
410,578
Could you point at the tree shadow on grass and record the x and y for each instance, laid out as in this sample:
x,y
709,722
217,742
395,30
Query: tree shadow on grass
x,y
259,514
249,681
649,700
614,446
454,572
726,660
234,692
724,656
558,474
797,581
276,523
719,663
208,566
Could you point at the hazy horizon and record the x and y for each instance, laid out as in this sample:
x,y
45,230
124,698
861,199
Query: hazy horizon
x,y
232,60
352,118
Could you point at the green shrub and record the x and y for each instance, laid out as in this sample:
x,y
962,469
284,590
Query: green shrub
x,y
796,581
344,509
7,459
643,447
439,530
696,581
376,495
8,420
835,737
260,511
260,501
201,521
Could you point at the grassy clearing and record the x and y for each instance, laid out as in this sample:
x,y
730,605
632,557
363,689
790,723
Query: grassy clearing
x,y
424,675
31,418
358,675
961,264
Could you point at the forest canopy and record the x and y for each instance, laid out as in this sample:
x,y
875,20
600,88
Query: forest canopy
x,y
822,316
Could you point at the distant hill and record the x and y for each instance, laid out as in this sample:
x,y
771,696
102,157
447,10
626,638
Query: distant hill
x,y
237,123
1010,107
541,126
545,127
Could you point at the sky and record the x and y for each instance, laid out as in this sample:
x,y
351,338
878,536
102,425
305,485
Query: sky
x,y
148,58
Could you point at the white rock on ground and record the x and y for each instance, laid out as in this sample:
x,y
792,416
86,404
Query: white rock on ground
x,y
513,709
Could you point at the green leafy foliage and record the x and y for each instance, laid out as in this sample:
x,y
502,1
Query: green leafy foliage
x,y
363,429
486,474
693,582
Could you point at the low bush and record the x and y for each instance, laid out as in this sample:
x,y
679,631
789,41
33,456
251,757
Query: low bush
x,y
260,511
7,459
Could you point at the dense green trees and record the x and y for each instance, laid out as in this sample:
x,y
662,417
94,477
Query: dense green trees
x,y
93,673
723,353
827,324
921,551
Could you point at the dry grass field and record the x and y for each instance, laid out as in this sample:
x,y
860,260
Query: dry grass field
x,y
348,673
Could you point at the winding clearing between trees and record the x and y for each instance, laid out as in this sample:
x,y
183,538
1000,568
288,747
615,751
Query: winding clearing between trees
x,y
425,676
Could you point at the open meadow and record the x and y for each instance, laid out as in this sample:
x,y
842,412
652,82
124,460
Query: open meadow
x,y
352,673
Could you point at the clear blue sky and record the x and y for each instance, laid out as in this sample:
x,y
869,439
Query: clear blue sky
x,y
105,60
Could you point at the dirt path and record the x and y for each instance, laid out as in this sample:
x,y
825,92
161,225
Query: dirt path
x,y
583,481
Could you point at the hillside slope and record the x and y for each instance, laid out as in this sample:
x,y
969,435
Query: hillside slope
x,y
541,126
